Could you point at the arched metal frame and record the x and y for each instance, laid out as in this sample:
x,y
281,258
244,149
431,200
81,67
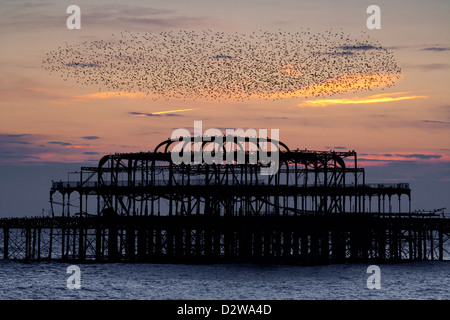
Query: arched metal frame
x,y
149,183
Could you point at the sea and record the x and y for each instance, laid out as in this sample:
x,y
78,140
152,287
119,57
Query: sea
x,y
426,280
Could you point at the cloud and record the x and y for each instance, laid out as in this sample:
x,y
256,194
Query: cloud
x,y
416,170
91,152
90,137
80,64
359,47
420,156
18,156
159,24
85,146
25,16
379,98
336,148
28,89
108,95
433,66
66,97
141,114
16,148
429,66
341,84
60,143
373,160
26,148
436,122
274,118
437,49
398,157
17,135
161,113
16,139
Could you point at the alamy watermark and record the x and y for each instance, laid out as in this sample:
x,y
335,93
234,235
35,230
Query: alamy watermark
x,y
238,147
374,21
74,20
74,280
374,280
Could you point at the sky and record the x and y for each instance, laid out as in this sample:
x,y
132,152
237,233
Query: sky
x,y
51,125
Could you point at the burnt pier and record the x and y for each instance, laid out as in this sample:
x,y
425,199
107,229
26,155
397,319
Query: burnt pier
x,y
143,207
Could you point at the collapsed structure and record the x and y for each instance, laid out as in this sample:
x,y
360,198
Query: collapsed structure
x,y
143,207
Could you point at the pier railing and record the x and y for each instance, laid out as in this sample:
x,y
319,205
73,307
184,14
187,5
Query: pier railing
x,y
199,182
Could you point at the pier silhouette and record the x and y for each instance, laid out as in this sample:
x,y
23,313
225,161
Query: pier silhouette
x,y
142,207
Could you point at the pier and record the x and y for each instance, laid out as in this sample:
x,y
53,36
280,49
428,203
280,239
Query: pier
x,y
143,207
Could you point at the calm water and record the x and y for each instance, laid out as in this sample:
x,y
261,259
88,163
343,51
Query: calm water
x,y
48,280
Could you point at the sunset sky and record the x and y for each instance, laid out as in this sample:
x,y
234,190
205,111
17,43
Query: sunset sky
x,y
49,126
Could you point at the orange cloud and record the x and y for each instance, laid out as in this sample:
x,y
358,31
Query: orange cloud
x,y
141,114
378,98
66,97
340,84
173,111
64,94
337,85
80,147
112,94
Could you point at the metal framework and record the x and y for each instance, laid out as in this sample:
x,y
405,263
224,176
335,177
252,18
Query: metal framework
x,y
307,182
317,208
